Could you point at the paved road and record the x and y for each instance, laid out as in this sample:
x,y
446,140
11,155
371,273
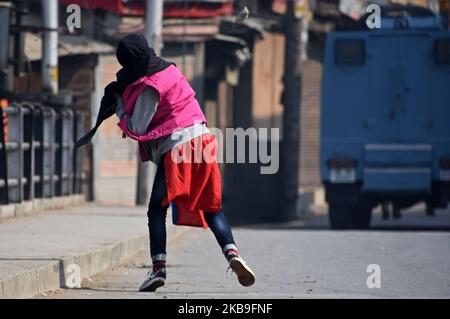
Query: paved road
x,y
291,262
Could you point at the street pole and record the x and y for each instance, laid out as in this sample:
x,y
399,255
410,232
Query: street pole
x,y
5,67
153,32
153,23
50,46
290,163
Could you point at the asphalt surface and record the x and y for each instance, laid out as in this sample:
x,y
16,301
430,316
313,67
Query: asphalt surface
x,y
296,260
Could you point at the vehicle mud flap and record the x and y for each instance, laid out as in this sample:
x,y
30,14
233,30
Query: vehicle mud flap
x,y
340,215
361,216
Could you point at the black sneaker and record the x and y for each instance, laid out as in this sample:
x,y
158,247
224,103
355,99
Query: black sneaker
x,y
155,279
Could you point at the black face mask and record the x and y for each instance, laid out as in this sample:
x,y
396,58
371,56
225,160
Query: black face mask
x,y
137,60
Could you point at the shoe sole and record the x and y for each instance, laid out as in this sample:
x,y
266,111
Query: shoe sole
x,y
157,283
245,275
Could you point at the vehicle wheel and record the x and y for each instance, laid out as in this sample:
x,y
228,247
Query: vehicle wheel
x,y
361,216
430,211
396,211
340,215
385,210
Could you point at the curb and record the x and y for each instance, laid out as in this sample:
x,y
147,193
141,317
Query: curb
x,y
38,205
52,276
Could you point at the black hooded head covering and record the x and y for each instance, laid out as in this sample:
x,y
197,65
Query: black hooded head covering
x,y
137,60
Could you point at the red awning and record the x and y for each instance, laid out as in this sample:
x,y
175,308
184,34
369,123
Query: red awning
x,y
171,10
198,10
116,6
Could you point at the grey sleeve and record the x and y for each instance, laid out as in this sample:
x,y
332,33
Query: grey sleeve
x,y
119,107
144,110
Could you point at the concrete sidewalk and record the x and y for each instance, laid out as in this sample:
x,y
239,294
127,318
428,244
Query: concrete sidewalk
x,y
36,251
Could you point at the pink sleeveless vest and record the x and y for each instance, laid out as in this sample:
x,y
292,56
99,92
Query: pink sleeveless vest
x,y
177,106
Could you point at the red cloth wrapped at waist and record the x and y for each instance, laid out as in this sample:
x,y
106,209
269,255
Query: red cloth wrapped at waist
x,y
193,181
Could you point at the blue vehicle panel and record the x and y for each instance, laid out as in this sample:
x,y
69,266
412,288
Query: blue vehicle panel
x,y
385,118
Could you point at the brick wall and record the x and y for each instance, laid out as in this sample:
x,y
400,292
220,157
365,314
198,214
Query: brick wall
x,y
116,175
268,62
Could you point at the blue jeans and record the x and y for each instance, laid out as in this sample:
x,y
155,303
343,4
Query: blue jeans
x,y
156,214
